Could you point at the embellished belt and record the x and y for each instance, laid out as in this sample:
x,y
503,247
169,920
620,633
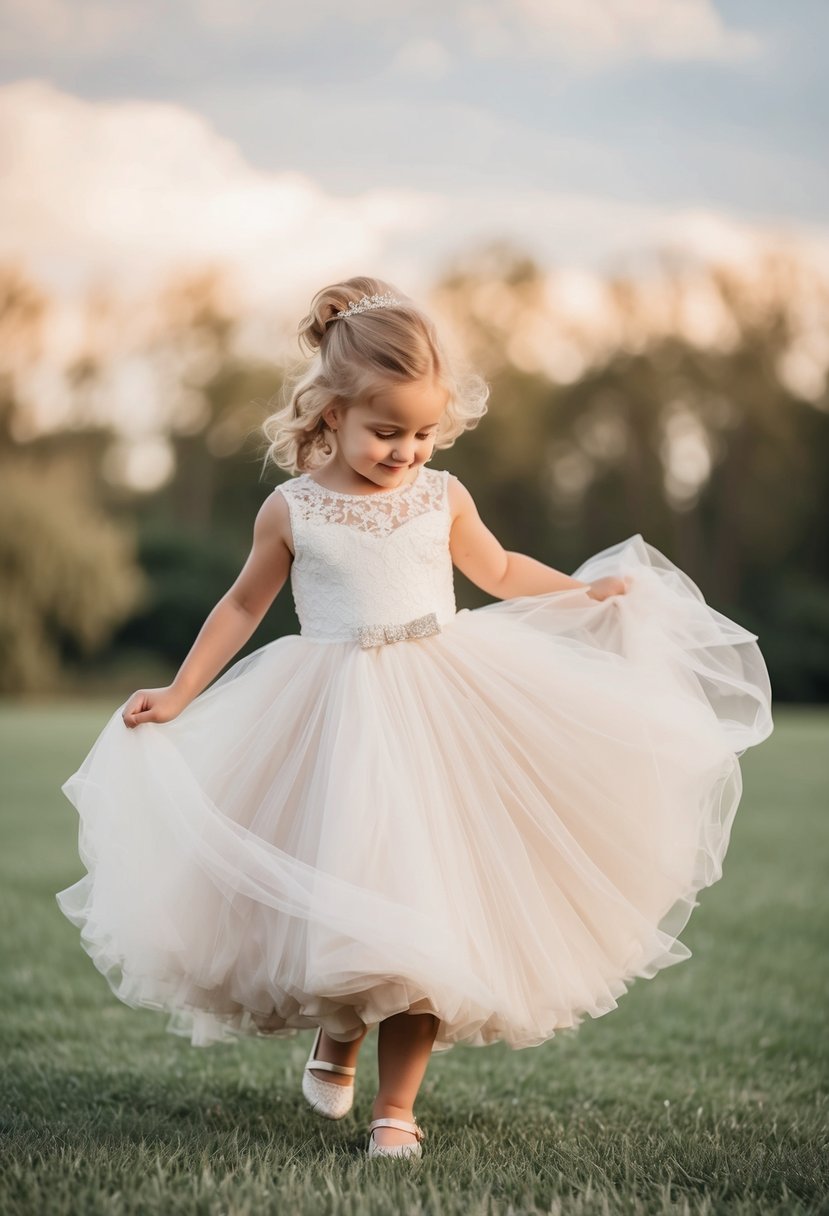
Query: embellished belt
x,y
420,627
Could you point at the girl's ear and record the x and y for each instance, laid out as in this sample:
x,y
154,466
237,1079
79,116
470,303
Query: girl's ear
x,y
331,415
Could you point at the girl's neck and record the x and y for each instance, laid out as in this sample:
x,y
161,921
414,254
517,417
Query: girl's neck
x,y
343,475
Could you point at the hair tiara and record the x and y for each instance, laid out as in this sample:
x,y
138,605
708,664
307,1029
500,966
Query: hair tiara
x,y
367,303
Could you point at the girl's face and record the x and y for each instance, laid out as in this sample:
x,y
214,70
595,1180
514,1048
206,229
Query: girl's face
x,y
384,439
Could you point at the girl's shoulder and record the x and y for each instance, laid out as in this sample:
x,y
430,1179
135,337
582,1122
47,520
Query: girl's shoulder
x,y
459,499
287,487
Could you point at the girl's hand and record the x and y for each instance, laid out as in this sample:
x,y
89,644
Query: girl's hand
x,y
611,584
153,705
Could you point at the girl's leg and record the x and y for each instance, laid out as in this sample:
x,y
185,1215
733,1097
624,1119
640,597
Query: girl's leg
x,y
337,1053
403,1050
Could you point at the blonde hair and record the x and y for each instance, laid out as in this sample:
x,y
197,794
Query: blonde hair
x,y
354,357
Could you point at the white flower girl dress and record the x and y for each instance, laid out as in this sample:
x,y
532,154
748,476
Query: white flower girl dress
x,y
501,816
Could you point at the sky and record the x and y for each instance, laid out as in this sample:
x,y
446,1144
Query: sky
x,y
295,144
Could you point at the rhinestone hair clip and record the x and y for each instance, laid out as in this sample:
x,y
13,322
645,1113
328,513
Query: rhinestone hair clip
x,y
366,303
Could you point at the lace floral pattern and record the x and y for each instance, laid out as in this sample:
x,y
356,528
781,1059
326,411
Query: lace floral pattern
x,y
379,513
378,560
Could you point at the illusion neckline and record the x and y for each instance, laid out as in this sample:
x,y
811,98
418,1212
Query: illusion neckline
x,y
408,485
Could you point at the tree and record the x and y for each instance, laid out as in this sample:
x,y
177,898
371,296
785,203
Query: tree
x,y
69,575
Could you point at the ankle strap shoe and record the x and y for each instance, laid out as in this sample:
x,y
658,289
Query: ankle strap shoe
x,y
325,1098
395,1150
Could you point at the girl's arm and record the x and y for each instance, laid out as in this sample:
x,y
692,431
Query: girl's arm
x,y
231,623
500,572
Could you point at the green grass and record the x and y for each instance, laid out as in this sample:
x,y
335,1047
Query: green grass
x,y
703,1092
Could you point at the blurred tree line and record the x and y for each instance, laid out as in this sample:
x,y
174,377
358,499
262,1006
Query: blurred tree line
x,y
713,445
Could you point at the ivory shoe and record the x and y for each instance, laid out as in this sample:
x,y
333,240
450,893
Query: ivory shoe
x,y
395,1150
327,1098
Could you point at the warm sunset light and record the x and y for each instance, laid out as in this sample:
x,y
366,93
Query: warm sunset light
x,y
414,607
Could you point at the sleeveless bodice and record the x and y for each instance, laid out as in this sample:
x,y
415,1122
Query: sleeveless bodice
x,y
366,565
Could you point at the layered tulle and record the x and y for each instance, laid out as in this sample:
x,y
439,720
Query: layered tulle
x,y
504,824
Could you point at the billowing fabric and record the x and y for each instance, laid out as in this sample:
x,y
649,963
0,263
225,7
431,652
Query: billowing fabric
x,y
503,816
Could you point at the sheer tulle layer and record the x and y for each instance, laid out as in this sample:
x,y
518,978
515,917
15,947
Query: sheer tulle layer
x,y
503,824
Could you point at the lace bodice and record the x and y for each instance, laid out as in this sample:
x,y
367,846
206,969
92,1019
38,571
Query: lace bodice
x,y
370,560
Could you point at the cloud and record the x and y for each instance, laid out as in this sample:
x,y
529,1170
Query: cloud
x,y
121,196
426,58
125,195
586,31
90,27
598,30
127,192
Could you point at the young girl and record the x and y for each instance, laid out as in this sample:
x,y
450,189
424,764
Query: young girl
x,y
458,826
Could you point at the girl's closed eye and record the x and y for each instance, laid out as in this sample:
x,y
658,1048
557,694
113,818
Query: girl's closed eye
x,y
391,435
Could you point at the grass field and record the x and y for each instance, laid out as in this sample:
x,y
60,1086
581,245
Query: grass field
x,y
705,1091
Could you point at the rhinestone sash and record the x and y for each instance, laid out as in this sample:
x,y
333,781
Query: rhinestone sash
x,y
377,635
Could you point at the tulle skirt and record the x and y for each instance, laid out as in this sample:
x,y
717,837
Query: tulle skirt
x,y
503,824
